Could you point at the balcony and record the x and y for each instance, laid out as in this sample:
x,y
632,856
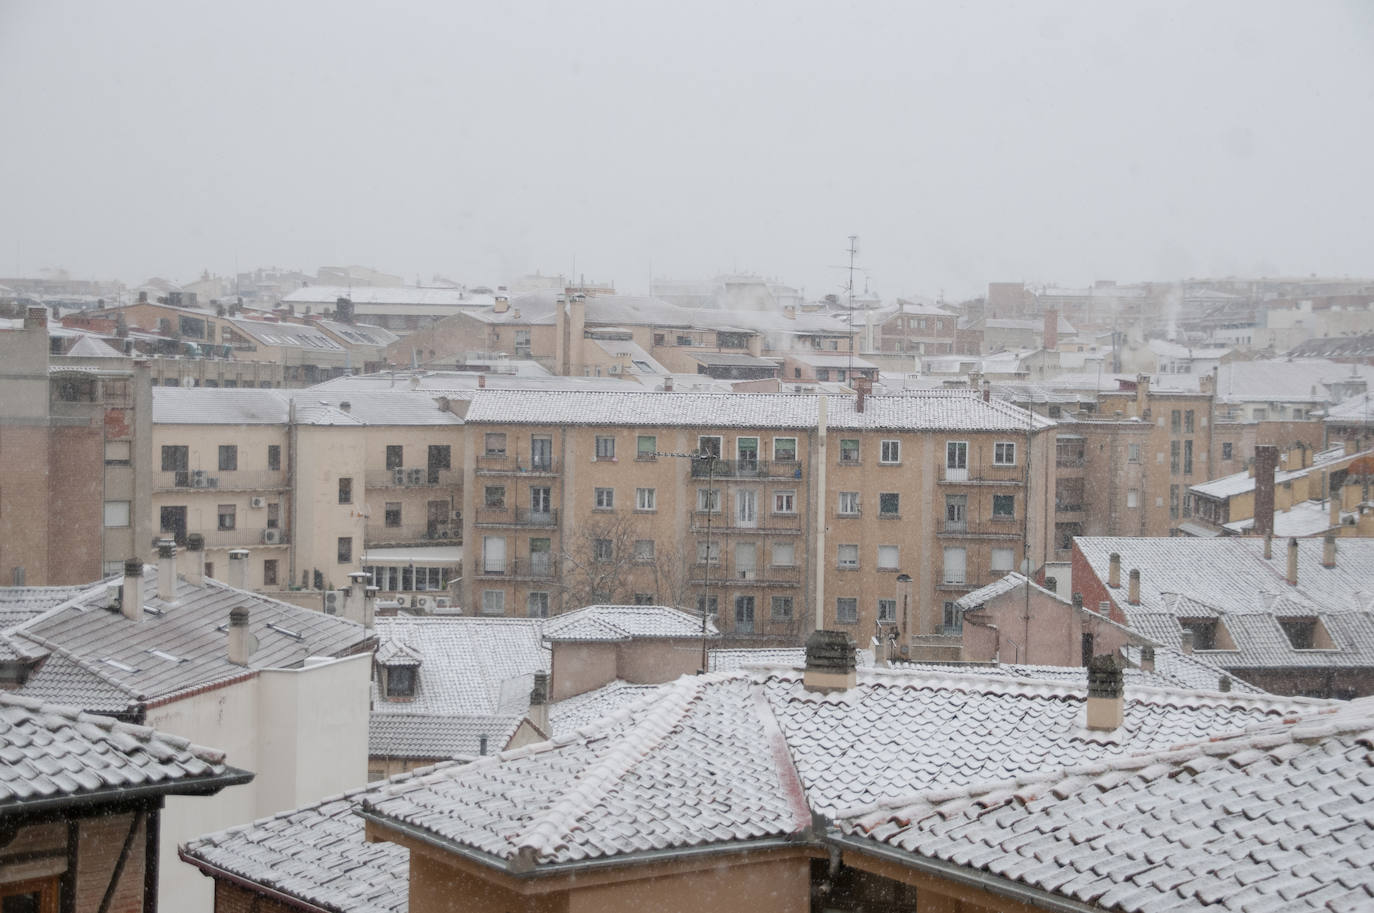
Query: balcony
x,y
1010,476
449,534
488,517
506,464
534,567
244,538
768,524
226,480
1006,528
413,478
746,469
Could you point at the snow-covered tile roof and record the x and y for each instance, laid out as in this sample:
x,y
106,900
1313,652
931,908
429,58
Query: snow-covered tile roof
x,y
20,603
435,735
729,659
1012,581
241,406
1277,818
610,623
54,753
1241,482
927,410
591,707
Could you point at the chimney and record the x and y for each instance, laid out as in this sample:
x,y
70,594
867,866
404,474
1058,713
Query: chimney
x,y
195,567
142,297
1266,461
1225,683
167,570
343,310
1268,546
358,605
1078,602
1051,329
1185,641
1114,571
861,391
481,381
502,305
987,390
538,714
238,568
35,318
1106,693
1292,562
1335,493
1133,591
668,384
241,641
830,663
1329,550
1142,392
1147,659
131,594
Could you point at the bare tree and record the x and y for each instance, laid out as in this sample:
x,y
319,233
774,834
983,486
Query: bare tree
x,y
613,559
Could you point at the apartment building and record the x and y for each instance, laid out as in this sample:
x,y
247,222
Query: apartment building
x,y
318,486
853,511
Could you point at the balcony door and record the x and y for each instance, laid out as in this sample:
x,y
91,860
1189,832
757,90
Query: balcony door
x,y
541,453
746,508
744,614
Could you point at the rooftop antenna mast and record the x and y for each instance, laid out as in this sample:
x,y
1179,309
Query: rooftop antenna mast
x,y
849,291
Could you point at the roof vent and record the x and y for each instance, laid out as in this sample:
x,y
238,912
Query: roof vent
x,y
830,662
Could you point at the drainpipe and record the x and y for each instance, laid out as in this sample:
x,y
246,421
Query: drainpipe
x,y
822,404
292,441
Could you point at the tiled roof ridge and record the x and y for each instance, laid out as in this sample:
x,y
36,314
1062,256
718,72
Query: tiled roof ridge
x,y
546,832
1027,788
783,762
112,726
81,663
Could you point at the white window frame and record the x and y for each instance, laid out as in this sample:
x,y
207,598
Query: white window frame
x,y
887,610
956,455
646,499
889,452
117,514
1010,559
605,498
847,556
778,459
644,550
1004,453
493,602
785,501
708,500
605,448
846,610
537,605
892,551
790,559
853,498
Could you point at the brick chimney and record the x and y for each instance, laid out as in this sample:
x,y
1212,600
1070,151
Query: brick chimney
x,y
238,568
987,390
167,570
1185,641
1147,659
538,714
194,565
1133,590
241,641
1051,329
1329,551
1292,562
1106,693
830,664
861,386
35,318
131,593
1266,461
1114,571
481,381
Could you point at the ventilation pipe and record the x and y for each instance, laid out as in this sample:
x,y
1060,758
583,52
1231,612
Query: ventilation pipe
x,y
1147,659
194,564
167,570
1186,640
1292,562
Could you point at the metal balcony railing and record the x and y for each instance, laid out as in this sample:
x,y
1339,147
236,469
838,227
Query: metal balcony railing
x,y
508,463
413,477
746,469
534,566
420,532
228,479
249,537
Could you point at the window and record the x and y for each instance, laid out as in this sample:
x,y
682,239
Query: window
x,y
494,497
708,500
1174,449
1301,632
1003,559
537,605
887,557
887,610
495,444
708,605
269,572
116,513
345,491
1260,415
541,452
1188,421
889,504
1132,497
605,498
226,516
1204,632
956,512
747,453
646,446
849,504
644,550
848,556
784,554
228,457
709,445
493,554
345,549
493,602
711,556
784,449
1003,506
955,569
603,550
118,453
784,502
439,458
849,450
782,608
956,460
395,456
645,599
1004,453
1188,457
1226,451
890,452
605,447
1133,453
393,514
846,610
522,343
1175,421
1173,502
645,499
953,619
746,507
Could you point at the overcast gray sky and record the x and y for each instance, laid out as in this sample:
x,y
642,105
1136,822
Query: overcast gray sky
x,y
1046,141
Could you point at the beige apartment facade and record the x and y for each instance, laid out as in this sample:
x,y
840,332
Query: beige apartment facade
x,y
815,512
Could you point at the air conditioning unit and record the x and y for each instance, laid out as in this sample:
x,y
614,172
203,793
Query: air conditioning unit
x,y
415,476
212,482
441,532
614,369
271,536
257,503
199,478
424,602
398,476
332,601
457,518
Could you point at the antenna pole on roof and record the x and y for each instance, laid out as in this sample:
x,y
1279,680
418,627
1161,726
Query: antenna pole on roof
x,y
849,291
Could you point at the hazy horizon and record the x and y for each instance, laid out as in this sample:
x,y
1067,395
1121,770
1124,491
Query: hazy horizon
x,y
1063,143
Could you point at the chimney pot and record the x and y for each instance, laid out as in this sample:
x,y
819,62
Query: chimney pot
x,y
1078,601
1292,562
238,568
1133,590
1266,461
131,592
167,570
241,640
830,663
1147,658
195,566
481,381
1106,693
1114,571
1329,551
668,384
